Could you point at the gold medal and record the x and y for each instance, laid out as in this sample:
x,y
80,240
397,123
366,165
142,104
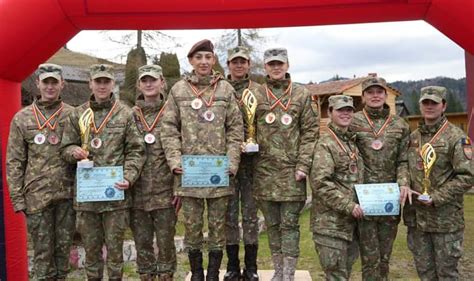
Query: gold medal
x,y
53,138
39,138
377,144
286,119
196,103
149,138
96,143
353,168
270,118
209,115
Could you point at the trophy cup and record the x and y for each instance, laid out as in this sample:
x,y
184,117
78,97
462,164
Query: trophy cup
x,y
85,122
250,106
428,155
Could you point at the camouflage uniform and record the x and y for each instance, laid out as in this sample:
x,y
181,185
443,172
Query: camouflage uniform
x,y
389,164
122,145
435,233
333,176
45,197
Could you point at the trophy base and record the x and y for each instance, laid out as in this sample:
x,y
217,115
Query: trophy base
x,y
424,197
85,164
251,147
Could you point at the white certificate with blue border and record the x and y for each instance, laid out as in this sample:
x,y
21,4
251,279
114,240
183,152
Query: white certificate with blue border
x,y
205,171
97,184
379,199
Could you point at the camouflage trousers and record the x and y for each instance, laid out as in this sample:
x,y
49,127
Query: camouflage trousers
x,y
336,256
282,222
193,211
97,229
161,224
436,255
243,191
376,242
51,232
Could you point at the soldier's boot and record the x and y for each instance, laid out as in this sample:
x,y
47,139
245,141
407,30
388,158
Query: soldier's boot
x,y
250,271
277,267
165,277
195,261
233,263
147,277
215,259
289,268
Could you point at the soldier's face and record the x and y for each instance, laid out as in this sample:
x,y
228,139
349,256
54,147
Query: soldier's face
x,y
150,86
49,88
101,88
238,68
202,62
342,117
276,69
431,110
374,97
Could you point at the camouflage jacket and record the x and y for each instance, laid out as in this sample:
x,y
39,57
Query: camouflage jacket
x,y
332,182
389,164
154,188
122,145
36,173
186,132
284,149
452,175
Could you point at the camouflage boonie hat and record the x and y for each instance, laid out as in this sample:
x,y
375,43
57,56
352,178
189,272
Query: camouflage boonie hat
x,y
278,54
152,70
238,52
340,101
434,93
47,70
374,81
101,70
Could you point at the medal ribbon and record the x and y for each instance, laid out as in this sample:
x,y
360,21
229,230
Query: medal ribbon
x,y
278,100
199,94
153,125
435,137
352,154
371,124
47,122
105,121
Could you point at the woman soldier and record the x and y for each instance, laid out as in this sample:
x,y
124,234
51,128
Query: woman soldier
x,y
153,210
202,117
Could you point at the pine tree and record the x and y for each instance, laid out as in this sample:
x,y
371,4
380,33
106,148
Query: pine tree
x,y
135,58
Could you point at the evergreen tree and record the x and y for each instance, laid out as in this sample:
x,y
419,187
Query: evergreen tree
x,y
170,65
453,104
135,58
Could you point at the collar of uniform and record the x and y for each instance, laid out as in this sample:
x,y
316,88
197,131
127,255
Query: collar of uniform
x,y
103,105
239,84
345,136
149,107
203,81
48,105
378,114
425,129
278,84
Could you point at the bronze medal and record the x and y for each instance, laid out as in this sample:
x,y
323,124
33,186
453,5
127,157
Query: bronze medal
x,y
149,138
353,168
270,118
286,119
39,138
419,165
53,138
209,115
96,143
377,144
196,103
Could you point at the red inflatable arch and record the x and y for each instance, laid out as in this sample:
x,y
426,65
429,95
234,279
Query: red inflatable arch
x,y
31,31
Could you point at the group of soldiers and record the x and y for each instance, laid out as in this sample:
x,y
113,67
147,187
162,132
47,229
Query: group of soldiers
x,y
204,114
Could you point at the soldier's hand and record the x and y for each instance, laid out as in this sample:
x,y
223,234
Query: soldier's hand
x,y
122,184
299,175
404,191
242,147
177,204
178,171
79,153
357,212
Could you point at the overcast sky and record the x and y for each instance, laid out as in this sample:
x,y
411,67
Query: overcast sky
x,y
396,51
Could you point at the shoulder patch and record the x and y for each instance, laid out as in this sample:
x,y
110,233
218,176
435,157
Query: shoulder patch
x,y
467,147
466,141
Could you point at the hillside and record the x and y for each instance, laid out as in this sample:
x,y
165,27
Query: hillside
x,y
67,57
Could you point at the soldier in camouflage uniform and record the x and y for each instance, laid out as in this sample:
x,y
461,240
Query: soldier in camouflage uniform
x,y
436,225
287,130
337,166
382,139
202,117
114,141
44,197
238,61
152,211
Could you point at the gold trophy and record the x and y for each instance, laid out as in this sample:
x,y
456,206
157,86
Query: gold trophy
x,y
85,122
428,155
250,107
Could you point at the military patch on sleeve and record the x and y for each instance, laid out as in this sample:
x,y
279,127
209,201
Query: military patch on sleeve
x,y
467,147
314,104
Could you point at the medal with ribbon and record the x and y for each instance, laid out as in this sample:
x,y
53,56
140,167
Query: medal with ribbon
x,y
149,137
377,144
96,142
286,118
352,155
40,138
198,101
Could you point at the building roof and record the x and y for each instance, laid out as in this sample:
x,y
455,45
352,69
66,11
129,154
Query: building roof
x,y
338,87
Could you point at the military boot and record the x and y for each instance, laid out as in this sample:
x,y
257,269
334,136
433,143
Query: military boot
x,y
278,267
289,268
233,263
165,277
250,271
215,259
195,261
147,277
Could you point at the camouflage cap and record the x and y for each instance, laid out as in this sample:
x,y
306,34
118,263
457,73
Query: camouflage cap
x,y
203,45
101,70
152,70
238,52
434,93
340,101
278,54
374,81
47,70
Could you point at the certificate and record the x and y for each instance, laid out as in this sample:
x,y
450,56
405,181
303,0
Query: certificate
x,y
97,184
380,199
205,171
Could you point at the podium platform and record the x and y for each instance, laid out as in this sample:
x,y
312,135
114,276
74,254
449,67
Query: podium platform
x,y
266,275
